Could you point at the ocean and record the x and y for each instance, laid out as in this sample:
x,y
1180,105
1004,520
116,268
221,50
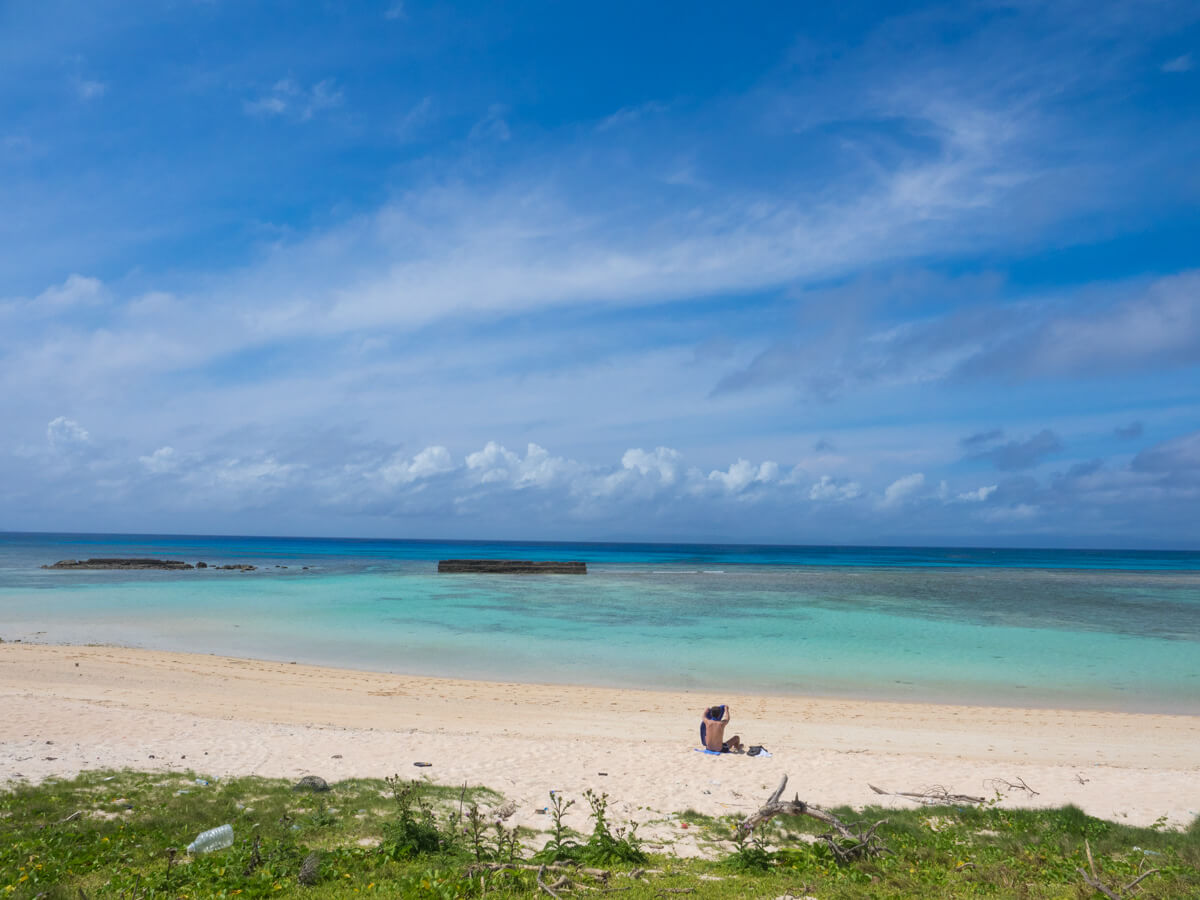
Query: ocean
x,y
1091,629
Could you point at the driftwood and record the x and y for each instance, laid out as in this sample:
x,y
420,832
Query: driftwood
x,y
854,840
599,874
931,795
997,784
1093,881
541,884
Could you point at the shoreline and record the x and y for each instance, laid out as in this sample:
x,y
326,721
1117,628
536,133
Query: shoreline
x,y
1036,699
72,708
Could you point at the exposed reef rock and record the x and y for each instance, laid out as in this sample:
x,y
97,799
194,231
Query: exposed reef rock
x,y
512,567
119,563
116,563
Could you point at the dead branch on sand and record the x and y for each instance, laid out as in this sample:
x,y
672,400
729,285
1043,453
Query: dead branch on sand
x,y
935,795
847,842
999,785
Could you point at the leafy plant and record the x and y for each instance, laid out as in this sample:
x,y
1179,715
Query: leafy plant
x,y
604,847
560,847
414,831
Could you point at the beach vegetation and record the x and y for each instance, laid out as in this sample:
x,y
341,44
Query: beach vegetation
x,y
561,845
124,835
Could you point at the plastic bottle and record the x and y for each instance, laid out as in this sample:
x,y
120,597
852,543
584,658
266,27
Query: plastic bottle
x,y
214,839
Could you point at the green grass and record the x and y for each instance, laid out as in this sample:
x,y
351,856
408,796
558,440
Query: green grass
x,y
408,839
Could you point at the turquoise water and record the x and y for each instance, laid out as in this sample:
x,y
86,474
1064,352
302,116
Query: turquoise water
x,y
1098,629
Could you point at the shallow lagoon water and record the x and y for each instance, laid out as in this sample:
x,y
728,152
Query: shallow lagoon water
x,y
1045,628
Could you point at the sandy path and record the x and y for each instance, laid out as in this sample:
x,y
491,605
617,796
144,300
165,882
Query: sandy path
x,y
64,709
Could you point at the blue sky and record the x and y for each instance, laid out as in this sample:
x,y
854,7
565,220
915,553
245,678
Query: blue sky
x,y
872,273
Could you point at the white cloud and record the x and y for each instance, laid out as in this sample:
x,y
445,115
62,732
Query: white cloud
x,y
664,463
76,290
164,459
288,97
902,488
497,464
258,473
979,494
66,434
429,462
744,473
395,11
829,489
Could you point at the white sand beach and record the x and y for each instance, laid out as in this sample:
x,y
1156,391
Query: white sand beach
x,y
66,709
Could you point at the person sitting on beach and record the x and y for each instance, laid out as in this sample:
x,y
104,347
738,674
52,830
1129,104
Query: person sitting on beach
x,y
712,731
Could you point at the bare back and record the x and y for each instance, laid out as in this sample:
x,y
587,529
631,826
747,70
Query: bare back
x,y
714,733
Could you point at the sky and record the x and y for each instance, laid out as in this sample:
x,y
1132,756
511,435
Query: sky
x,y
758,272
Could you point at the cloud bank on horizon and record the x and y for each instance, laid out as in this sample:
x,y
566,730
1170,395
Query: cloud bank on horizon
x,y
914,276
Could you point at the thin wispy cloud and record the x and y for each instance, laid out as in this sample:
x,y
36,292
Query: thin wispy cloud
x,y
627,115
287,97
1182,63
492,126
88,89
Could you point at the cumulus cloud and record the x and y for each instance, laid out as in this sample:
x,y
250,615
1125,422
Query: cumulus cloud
x,y
664,463
428,463
902,488
497,464
827,489
164,459
744,473
63,434
979,494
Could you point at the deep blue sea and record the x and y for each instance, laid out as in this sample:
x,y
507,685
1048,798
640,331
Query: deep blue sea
x,y
1074,628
